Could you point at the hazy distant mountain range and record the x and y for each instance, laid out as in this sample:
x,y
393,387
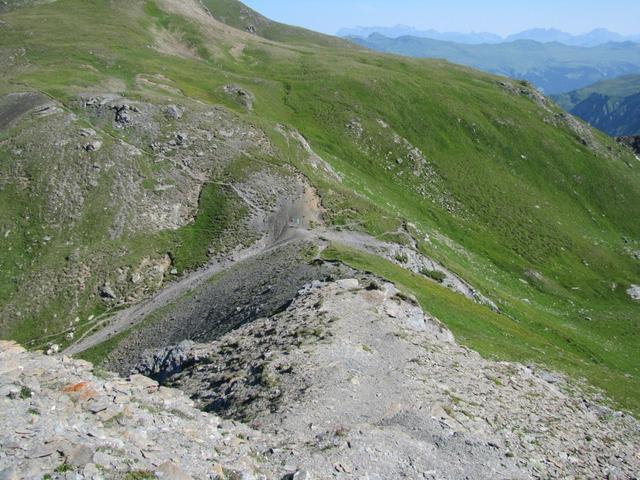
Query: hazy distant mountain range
x,y
404,30
553,67
594,38
595,76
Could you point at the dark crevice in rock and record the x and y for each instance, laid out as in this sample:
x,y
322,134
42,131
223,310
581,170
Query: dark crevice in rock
x,y
632,142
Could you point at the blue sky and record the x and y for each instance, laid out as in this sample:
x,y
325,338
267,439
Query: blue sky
x,y
496,16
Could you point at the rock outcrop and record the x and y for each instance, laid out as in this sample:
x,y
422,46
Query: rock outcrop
x,y
362,384
61,418
353,380
631,142
240,295
634,292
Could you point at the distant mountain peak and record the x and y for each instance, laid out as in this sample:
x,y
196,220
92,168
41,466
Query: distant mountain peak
x,y
593,38
472,38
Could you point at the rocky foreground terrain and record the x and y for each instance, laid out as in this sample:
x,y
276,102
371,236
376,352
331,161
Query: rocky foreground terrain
x,y
352,380
205,202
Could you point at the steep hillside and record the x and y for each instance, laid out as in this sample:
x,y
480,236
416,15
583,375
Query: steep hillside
x,y
613,106
552,67
140,140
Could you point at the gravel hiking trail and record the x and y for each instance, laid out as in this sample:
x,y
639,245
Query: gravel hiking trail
x,y
291,222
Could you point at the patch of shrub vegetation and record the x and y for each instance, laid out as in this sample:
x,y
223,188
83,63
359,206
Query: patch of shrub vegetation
x,y
64,467
25,393
140,475
433,275
402,257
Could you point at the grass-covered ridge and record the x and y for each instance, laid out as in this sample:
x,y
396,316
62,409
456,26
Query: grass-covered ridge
x,y
509,196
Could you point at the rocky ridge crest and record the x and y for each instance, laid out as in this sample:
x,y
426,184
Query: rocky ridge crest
x,y
352,380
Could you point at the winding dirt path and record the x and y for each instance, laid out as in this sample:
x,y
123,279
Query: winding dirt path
x,y
129,317
295,220
291,222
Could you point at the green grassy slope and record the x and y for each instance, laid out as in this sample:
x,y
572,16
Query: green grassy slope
x,y
510,197
613,106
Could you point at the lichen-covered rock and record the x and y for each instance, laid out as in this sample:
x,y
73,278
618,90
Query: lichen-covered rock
x,y
240,95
